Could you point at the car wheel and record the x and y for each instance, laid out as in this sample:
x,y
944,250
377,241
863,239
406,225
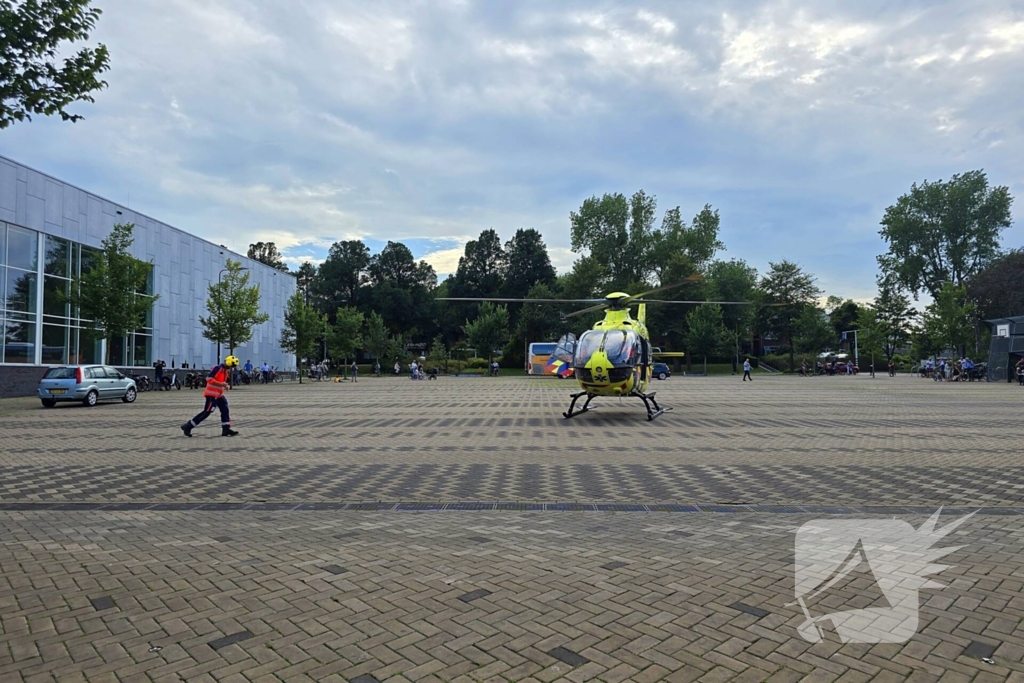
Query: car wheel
x,y
48,402
91,399
129,396
662,375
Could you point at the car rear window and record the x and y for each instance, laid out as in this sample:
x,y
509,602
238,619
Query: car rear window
x,y
60,373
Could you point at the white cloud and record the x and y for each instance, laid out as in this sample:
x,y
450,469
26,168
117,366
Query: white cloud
x,y
444,260
315,120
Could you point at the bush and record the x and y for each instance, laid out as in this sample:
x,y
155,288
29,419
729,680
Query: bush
x,y
476,363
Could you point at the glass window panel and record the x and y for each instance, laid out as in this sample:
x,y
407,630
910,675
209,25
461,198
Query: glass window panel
x,y
58,257
55,344
3,243
88,257
19,342
55,291
21,291
22,248
3,288
589,343
88,347
142,346
118,347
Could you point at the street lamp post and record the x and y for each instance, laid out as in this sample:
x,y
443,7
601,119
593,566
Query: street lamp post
x,y
219,276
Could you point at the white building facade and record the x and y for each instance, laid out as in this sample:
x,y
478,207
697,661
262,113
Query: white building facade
x,y
47,229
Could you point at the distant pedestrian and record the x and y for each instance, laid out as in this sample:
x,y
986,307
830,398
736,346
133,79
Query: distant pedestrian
x,y
746,370
355,371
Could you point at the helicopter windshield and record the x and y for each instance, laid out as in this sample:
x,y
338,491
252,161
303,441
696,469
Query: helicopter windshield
x,y
588,343
621,347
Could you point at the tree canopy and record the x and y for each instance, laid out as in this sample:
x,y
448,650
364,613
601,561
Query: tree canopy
x,y
35,37
788,291
234,308
303,324
267,254
998,289
944,231
111,292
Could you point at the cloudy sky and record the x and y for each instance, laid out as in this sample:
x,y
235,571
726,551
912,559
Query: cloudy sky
x,y
309,121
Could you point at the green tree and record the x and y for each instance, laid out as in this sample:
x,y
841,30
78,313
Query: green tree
x,y
844,316
706,335
341,277
490,329
787,290
34,35
734,280
526,264
234,309
814,333
481,267
871,337
437,353
267,254
402,291
894,316
616,232
397,348
377,339
304,278
998,289
303,325
676,250
111,293
944,232
345,336
949,319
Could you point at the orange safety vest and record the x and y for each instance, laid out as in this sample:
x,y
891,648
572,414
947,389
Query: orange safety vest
x,y
216,383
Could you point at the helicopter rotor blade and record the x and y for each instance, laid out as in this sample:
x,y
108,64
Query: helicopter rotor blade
x,y
589,309
720,303
684,281
501,300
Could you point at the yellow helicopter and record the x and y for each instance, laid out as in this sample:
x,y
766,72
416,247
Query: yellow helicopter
x,y
615,357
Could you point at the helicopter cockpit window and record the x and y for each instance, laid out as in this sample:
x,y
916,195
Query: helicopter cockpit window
x,y
588,343
622,347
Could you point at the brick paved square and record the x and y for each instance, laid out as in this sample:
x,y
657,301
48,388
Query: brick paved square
x,y
127,550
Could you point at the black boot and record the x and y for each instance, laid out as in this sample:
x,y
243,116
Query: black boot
x,y
227,431
187,428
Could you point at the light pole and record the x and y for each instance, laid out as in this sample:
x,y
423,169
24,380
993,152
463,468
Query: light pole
x,y
219,276
856,355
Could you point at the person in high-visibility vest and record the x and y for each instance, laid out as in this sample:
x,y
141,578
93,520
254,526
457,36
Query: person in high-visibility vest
x,y
216,383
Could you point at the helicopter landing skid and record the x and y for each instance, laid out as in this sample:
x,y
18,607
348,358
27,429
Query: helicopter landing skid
x,y
585,408
649,400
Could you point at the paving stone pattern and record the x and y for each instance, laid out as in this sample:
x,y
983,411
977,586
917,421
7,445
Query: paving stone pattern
x,y
421,601
833,440
460,530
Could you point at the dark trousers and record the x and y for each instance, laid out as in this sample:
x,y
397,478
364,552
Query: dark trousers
x,y
746,376
211,403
